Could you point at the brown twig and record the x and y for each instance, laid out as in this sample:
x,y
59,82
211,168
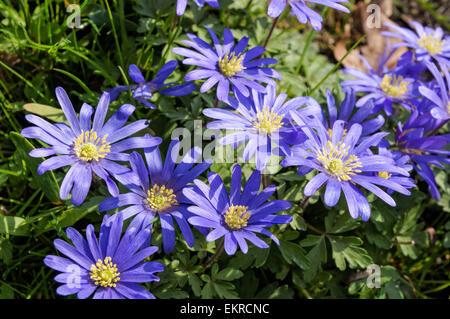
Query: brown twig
x,y
270,32
216,254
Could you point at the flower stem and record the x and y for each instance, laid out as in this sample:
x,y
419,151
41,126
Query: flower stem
x,y
216,254
270,32
304,203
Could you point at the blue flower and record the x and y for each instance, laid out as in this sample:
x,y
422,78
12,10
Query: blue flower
x,y
109,267
401,160
303,12
262,122
441,104
428,44
369,126
143,91
238,216
227,63
384,86
423,150
87,148
161,193
181,5
342,162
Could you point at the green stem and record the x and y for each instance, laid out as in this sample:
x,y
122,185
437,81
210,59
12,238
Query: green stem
x,y
308,42
336,65
116,38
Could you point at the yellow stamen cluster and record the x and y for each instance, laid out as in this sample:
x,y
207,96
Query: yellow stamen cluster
x,y
88,146
230,64
448,108
330,133
236,217
267,122
104,273
384,175
161,198
432,44
335,159
394,86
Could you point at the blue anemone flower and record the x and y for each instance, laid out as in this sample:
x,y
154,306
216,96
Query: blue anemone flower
x,y
227,64
423,150
181,5
369,126
161,193
385,86
428,44
109,267
344,161
440,104
238,216
88,148
303,12
401,160
262,123
143,91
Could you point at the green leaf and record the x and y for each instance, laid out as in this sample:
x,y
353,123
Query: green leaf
x,y
196,284
207,291
271,291
339,223
317,255
298,223
52,113
447,240
6,250
13,225
47,181
70,216
346,250
229,274
225,290
293,253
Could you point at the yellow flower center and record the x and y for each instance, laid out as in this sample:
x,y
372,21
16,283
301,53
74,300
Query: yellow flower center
x,y
236,217
448,108
104,273
432,44
394,87
267,122
230,64
89,147
161,198
335,159
384,175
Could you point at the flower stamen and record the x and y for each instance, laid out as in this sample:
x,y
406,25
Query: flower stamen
x,y
432,44
335,159
230,64
89,147
385,175
161,198
104,273
267,122
236,217
394,86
